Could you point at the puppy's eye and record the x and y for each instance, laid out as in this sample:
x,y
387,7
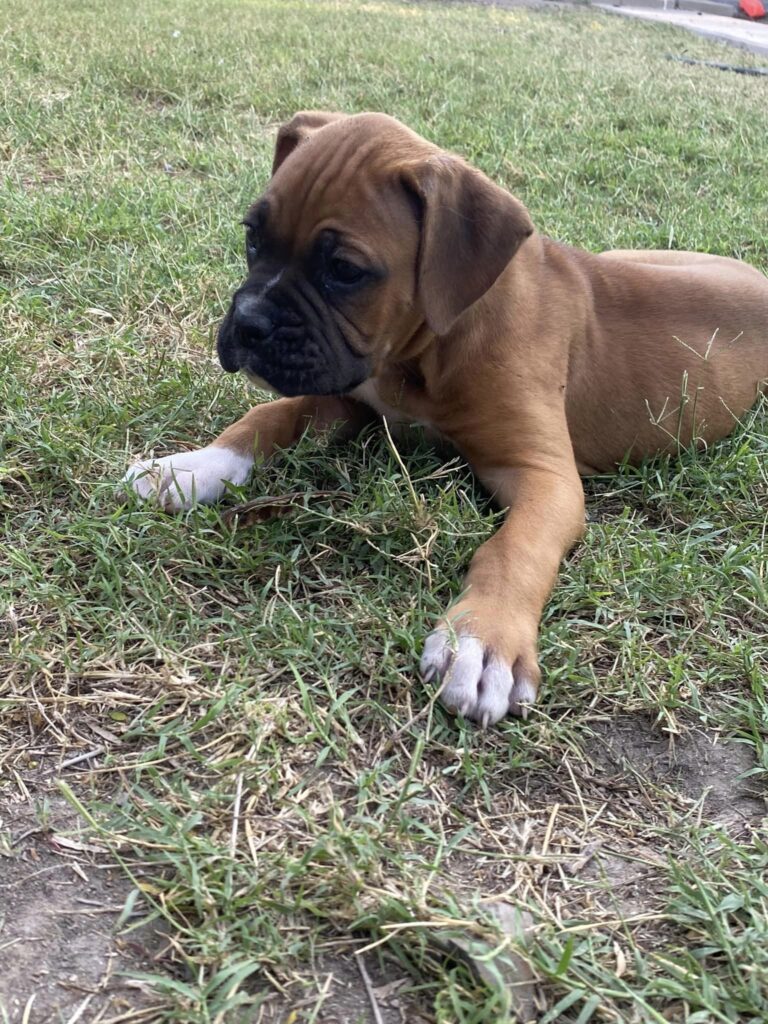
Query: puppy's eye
x,y
345,272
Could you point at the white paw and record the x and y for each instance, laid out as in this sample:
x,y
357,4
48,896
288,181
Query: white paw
x,y
477,683
179,481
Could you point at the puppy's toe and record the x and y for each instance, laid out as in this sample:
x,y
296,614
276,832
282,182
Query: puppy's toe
x,y
477,682
179,481
437,655
524,689
494,689
144,478
463,661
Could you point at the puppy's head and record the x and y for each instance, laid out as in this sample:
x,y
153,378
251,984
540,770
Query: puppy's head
x,y
366,237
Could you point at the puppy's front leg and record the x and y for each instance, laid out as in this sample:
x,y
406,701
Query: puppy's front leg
x,y
178,481
485,648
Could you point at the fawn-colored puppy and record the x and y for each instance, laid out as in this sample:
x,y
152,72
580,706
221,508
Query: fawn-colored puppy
x,y
386,276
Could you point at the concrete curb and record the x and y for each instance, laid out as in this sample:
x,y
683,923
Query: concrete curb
x,y
725,10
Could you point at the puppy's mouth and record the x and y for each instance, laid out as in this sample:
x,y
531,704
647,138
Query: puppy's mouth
x,y
287,356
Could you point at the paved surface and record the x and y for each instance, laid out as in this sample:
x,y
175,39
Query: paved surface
x,y
747,35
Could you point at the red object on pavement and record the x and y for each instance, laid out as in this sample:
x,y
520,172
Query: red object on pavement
x,y
752,8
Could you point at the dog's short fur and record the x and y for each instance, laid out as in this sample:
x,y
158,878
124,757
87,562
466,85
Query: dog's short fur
x,y
386,276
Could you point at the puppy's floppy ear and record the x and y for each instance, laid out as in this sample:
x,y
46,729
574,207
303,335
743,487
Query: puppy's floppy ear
x,y
470,230
298,130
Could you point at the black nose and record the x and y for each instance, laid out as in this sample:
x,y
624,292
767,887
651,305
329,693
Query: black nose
x,y
252,323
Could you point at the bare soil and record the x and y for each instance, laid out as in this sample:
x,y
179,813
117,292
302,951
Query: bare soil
x,y
697,765
335,989
704,772
61,958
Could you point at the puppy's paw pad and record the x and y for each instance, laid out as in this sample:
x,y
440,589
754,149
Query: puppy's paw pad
x,y
477,683
179,481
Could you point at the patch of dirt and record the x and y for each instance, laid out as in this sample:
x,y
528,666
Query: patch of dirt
x,y
627,884
59,953
336,993
646,775
696,765
61,958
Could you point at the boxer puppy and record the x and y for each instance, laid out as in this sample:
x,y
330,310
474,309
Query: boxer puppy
x,y
386,276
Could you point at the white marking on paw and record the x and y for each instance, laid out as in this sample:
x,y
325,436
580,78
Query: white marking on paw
x,y
476,683
179,481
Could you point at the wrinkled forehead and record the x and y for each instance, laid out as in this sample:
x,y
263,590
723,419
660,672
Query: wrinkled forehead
x,y
339,183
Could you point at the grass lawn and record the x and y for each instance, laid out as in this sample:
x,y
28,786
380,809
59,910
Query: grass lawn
x,y
218,768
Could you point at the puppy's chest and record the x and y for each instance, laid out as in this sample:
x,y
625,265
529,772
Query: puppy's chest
x,y
398,400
